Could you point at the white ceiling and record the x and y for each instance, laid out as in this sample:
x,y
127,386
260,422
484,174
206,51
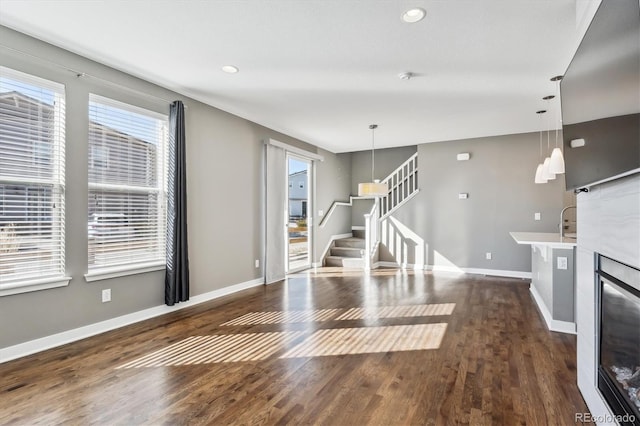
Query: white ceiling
x,y
323,70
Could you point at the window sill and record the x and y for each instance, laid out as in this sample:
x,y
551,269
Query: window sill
x,y
123,271
33,285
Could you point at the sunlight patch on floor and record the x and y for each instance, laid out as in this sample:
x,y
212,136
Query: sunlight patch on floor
x,y
280,317
344,341
398,311
217,348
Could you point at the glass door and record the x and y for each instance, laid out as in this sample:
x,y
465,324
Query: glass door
x,y
298,233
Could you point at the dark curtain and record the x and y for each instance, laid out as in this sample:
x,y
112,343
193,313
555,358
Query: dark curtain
x,y
176,282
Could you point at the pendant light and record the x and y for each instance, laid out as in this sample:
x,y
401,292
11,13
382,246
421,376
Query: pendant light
x,y
540,178
373,188
556,162
547,161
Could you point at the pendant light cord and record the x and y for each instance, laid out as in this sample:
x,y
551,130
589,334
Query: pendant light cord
x,y
548,131
373,153
558,109
373,150
541,125
540,115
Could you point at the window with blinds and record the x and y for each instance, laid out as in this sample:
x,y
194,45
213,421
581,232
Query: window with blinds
x,y
127,186
31,179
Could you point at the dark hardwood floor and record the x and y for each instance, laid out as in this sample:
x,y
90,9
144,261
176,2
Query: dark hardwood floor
x,y
489,359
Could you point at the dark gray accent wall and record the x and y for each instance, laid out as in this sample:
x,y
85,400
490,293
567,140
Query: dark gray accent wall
x,y
612,147
386,161
225,180
502,198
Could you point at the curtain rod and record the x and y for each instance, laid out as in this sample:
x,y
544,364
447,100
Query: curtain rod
x,y
81,74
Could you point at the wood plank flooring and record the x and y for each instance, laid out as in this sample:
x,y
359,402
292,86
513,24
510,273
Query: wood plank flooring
x,y
489,360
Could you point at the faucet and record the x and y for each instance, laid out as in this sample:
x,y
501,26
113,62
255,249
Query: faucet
x,y
561,226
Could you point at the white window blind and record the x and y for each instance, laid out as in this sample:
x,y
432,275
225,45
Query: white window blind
x,y
31,179
127,186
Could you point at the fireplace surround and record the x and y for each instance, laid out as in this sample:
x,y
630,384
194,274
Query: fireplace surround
x,y
618,319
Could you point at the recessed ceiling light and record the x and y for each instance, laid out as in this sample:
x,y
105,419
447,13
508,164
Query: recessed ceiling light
x,y
414,15
230,69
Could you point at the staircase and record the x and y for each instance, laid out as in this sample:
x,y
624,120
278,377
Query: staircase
x,y
347,252
361,250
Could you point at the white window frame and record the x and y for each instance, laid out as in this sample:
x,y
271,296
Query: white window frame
x,y
57,182
102,273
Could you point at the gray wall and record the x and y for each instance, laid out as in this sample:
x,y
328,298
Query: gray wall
x,y
555,286
386,161
563,286
224,160
502,198
333,177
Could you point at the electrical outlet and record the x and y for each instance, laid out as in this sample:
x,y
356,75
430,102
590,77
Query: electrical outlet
x,y
106,295
562,263
257,263
536,216
488,255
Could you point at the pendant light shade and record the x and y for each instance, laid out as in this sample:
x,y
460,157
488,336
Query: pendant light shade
x,y
556,162
540,178
374,188
545,170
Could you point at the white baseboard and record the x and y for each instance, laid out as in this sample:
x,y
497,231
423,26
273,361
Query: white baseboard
x,y
553,325
442,268
387,264
498,273
59,339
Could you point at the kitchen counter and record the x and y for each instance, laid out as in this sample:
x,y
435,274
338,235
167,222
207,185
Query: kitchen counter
x,y
550,239
552,277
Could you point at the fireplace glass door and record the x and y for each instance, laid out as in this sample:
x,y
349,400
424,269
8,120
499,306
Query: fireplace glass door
x,y
619,369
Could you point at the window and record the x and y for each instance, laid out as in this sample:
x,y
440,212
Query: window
x,y
98,157
127,187
32,141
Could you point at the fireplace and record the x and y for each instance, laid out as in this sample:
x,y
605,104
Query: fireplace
x,y
619,342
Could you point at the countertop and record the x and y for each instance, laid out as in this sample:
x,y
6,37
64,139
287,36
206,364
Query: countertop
x,y
550,239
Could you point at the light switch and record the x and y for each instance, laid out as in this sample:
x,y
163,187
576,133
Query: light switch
x,y
562,263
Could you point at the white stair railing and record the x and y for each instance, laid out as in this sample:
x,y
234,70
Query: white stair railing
x,y
325,218
402,183
372,233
